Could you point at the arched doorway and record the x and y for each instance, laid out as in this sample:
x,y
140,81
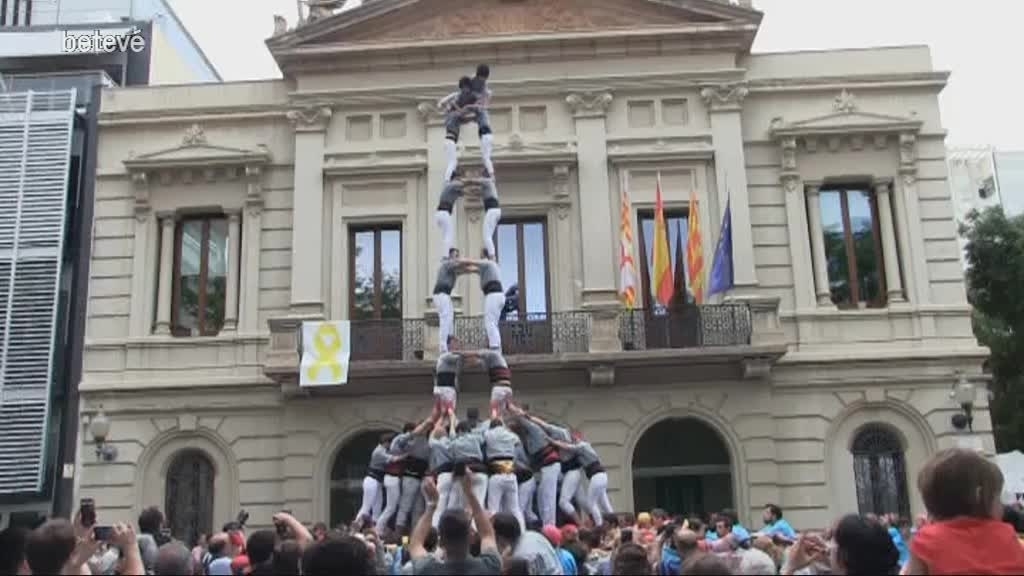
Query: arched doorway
x,y
682,465
188,502
880,471
347,475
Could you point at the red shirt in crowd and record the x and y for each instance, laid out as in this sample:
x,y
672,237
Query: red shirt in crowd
x,y
969,546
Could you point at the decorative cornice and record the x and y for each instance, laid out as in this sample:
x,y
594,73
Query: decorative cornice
x,y
519,152
688,148
846,120
589,104
406,161
310,118
254,189
725,97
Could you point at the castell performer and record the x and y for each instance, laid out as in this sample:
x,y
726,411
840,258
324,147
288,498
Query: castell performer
x,y
468,456
441,463
451,192
572,472
500,377
373,498
393,473
446,382
492,216
527,485
416,444
447,274
598,503
471,100
502,488
494,297
544,458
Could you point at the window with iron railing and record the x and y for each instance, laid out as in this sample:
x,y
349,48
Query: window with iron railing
x,y
375,291
200,276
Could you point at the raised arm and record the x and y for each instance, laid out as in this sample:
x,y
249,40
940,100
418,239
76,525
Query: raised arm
x,y
550,429
419,535
480,516
424,427
302,536
447,100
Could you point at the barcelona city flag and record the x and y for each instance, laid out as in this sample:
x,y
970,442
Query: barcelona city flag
x,y
695,251
662,276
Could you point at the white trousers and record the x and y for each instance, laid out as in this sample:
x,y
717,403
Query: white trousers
x,y
411,504
372,499
445,319
493,303
393,494
486,148
526,490
444,492
597,498
458,501
501,396
570,486
446,224
547,492
451,153
445,398
491,220
503,496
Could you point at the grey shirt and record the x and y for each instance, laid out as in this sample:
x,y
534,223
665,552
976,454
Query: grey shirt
x,y
447,274
450,194
492,359
380,458
446,372
534,438
501,443
562,435
586,453
415,445
522,460
538,552
489,273
440,452
467,447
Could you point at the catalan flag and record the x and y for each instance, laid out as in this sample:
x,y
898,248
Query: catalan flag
x,y
695,251
627,267
662,276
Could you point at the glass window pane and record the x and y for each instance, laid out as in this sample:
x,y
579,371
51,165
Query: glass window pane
x,y
216,276
835,246
188,269
362,280
391,269
508,255
862,218
536,268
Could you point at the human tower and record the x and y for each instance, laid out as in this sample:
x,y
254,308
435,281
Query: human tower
x,y
513,458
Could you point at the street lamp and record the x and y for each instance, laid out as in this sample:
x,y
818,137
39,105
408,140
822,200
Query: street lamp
x,y
964,393
99,428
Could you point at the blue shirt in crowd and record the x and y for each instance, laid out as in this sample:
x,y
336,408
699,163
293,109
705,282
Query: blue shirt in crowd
x,y
780,527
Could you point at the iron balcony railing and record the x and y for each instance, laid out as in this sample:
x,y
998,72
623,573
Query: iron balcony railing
x,y
689,326
561,332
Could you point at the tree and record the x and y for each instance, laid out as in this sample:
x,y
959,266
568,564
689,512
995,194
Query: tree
x,y
995,279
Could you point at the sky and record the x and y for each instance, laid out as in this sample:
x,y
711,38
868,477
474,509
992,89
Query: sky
x,y
978,41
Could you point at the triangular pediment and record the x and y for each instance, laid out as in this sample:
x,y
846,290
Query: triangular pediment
x,y
195,152
405,21
846,118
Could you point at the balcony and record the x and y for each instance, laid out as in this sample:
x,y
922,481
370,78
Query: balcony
x,y
742,339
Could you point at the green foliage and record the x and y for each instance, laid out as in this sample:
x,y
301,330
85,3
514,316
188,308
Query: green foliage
x,y
995,279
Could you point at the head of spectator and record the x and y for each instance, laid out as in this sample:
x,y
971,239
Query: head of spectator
x,y
630,560
12,551
260,546
319,531
286,558
659,517
863,546
453,532
961,483
706,565
338,555
172,559
49,547
151,521
754,562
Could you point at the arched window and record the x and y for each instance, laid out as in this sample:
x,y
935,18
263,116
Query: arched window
x,y
694,480
879,469
189,499
347,475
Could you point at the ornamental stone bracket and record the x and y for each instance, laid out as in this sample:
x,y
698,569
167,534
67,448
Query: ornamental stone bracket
x,y
313,117
560,190
589,104
724,97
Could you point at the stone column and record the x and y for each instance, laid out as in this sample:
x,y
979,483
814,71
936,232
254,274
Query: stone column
x,y
165,289
818,259
234,269
596,223
889,253
796,228
143,255
307,209
725,104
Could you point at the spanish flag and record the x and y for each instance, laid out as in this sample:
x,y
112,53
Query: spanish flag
x,y
627,270
662,276
695,251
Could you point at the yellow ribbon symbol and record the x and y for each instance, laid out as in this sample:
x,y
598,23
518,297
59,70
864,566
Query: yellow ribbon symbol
x,y
326,345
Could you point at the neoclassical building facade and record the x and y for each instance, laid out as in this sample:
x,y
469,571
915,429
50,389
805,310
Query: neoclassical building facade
x,y
228,214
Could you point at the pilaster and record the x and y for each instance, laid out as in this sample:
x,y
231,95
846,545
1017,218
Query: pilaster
x,y
822,290
166,264
310,125
252,226
917,281
890,255
596,207
725,104
143,257
234,269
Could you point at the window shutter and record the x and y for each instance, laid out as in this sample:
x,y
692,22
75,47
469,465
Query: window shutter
x,y
35,154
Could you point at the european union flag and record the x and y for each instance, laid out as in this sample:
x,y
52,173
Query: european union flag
x,y
721,270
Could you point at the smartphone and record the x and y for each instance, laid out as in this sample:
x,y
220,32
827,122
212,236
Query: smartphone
x,y
242,518
87,512
102,533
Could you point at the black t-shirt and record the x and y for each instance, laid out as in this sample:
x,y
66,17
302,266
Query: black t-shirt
x,y
487,563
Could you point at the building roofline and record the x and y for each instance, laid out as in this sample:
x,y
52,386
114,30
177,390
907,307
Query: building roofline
x,y
191,39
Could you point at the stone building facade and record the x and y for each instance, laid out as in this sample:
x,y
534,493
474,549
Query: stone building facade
x,y
821,383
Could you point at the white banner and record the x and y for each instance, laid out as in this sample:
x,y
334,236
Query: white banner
x,y
326,348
